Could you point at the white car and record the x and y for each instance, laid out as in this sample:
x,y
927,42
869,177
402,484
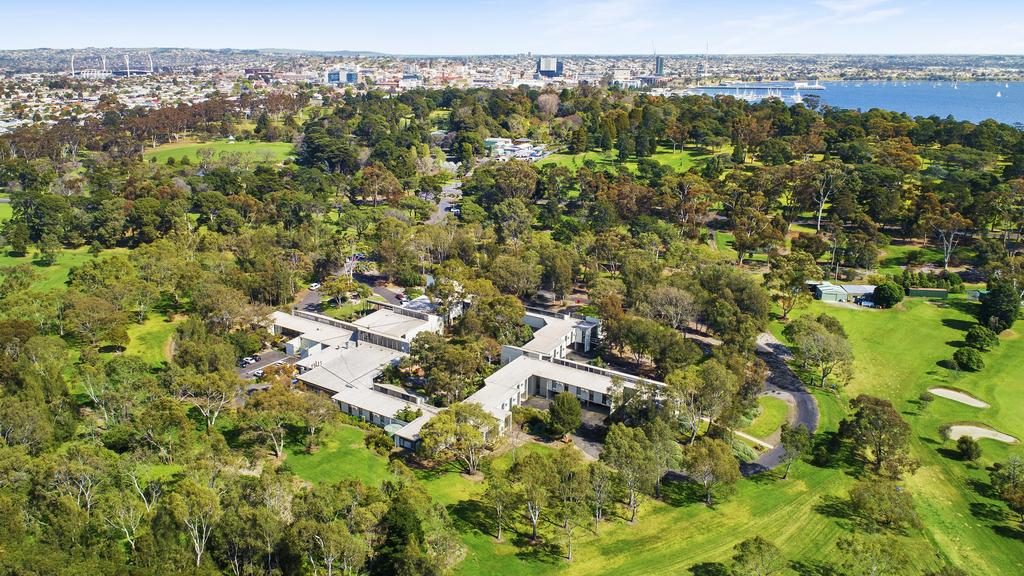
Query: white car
x,y
314,286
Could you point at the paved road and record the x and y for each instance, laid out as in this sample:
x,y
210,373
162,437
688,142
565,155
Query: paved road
x,y
384,292
450,194
782,382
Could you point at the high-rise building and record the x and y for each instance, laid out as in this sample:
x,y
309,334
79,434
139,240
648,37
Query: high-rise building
x,y
659,65
549,67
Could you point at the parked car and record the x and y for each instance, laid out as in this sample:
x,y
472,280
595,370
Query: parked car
x,y
258,373
257,357
314,286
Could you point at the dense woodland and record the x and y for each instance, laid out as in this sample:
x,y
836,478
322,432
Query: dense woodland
x,y
111,465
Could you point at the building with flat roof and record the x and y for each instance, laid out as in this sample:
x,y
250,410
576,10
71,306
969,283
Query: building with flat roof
x,y
550,67
344,359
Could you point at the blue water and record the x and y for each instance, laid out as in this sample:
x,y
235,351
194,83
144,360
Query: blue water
x,y
974,101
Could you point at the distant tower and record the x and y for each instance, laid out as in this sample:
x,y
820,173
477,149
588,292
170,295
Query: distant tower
x,y
150,63
127,67
72,65
659,65
104,63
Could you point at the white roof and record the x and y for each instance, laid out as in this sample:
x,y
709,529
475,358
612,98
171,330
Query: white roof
x,y
503,384
375,402
552,335
858,288
411,431
390,323
312,330
335,369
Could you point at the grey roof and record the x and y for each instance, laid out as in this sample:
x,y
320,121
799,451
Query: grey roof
x,y
311,330
334,369
390,323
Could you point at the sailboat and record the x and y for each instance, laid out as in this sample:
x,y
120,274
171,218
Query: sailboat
x,y
999,94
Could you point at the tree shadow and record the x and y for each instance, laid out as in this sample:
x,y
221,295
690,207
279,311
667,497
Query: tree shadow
x,y
542,551
813,569
956,343
946,363
710,569
949,454
956,324
983,488
927,440
835,507
473,515
1012,532
988,511
679,493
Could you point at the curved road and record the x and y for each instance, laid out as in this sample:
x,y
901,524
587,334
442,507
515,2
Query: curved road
x,y
782,382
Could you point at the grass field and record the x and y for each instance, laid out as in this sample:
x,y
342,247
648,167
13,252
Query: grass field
x,y
897,357
275,152
5,211
53,277
680,160
149,339
341,456
897,352
894,257
773,413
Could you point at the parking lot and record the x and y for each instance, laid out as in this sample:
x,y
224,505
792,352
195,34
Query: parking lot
x,y
267,357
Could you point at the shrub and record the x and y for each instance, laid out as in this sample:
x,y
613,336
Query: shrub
x,y
379,441
968,448
887,295
981,338
968,359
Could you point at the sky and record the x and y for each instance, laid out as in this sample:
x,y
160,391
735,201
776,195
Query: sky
x,y
452,27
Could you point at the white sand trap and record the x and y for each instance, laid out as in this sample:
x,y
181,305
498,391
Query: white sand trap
x,y
979,432
957,396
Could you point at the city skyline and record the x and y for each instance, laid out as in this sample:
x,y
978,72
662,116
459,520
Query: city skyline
x,y
500,27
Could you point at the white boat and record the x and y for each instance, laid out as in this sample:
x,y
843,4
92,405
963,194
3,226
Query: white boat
x,y
999,94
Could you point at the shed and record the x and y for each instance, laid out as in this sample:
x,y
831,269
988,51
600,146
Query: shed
x,y
827,292
938,293
976,294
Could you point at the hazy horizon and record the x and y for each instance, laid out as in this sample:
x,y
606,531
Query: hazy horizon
x,y
502,27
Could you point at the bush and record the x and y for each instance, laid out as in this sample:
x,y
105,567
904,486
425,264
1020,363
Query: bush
x,y
379,441
887,295
408,278
968,448
968,359
981,338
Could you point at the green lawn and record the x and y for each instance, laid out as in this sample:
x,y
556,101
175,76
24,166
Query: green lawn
x,y
342,456
896,357
54,276
680,160
773,413
894,257
5,211
149,339
254,151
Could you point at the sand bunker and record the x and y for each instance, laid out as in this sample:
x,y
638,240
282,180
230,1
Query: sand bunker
x,y
979,432
957,396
